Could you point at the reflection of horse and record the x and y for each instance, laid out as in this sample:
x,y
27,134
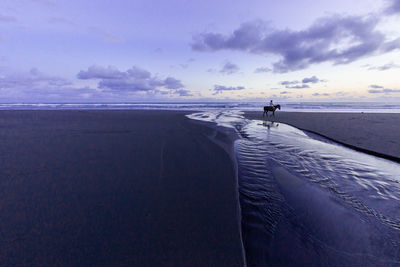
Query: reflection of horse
x,y
270,124
269,108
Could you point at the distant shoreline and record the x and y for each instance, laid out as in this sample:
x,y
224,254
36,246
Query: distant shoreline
x,y
342,107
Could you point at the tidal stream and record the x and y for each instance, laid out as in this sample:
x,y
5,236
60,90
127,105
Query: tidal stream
x,y
306,201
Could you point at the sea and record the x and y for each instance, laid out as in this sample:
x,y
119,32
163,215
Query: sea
x,y
368,107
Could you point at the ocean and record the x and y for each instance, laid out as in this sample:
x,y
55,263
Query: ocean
x,y
381,107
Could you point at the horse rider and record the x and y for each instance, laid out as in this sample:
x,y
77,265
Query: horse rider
x,y
271,104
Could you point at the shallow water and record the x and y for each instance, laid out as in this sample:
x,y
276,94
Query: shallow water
x,y
312,202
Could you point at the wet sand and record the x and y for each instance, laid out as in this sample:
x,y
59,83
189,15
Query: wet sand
x,y
133,188
374,133
310,203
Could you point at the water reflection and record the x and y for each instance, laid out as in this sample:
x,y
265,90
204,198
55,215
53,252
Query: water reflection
x,y
310,202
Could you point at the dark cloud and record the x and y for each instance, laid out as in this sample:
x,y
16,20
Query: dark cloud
x,y
229,68
262,69
301,85
220,88
172,83
393,7
336,39
285,92
384,67
183,92
288,83
312,79
134,79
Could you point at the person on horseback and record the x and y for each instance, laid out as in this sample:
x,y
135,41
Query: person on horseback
x,y
271,108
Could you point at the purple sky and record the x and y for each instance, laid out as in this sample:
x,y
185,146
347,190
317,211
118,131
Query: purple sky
x,y
184,50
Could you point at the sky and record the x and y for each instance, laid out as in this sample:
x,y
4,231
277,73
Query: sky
x,y
185,50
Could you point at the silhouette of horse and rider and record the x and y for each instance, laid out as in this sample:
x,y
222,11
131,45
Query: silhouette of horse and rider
x,y
271,108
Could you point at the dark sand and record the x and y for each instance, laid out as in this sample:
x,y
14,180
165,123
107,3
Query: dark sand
x,y
375,133
138,188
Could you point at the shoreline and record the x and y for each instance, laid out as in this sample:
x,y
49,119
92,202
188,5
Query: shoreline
x,y
370,133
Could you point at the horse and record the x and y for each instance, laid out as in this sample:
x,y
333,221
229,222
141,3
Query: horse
x,y
269,108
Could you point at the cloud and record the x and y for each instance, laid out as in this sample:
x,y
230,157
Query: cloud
x,y
285,92
111,72
7,19
172,83
303,86
384,67
34,79
134,79
211,70
374,86
36,86
336,39
229,68
61,21
318,94
341,93
286,83
381,90
183,92
220,88
393,7
312,79
113,85
262,69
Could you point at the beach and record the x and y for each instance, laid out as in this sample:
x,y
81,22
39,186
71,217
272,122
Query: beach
x,y
375,133
131,188
151,188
